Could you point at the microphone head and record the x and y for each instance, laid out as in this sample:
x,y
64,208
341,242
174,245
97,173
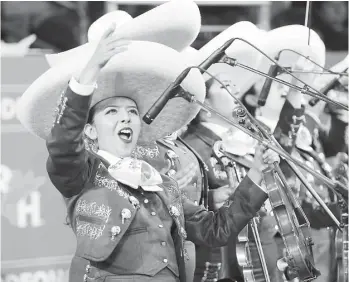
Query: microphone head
x,y
147,118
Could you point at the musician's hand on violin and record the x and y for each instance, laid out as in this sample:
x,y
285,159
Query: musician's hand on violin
x,y
218,196
185,176
262,159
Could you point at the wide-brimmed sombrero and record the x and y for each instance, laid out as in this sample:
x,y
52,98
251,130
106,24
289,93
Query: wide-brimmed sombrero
x,y
296,38
244,53
175,24
133,74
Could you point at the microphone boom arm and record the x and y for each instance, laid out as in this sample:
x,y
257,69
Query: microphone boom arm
x,y
233,62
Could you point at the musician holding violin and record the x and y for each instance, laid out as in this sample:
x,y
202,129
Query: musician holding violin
x,y
307,145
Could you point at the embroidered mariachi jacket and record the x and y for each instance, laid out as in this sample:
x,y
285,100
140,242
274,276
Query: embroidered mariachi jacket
x,y
82,178
170,157
315,159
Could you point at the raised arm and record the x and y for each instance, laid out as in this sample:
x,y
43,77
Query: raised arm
x,y
292,112
69,165
213,229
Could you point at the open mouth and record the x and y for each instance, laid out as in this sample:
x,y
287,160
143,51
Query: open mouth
x,y
125,134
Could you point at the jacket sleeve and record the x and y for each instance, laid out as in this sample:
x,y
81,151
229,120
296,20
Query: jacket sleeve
x,y
336,139
68,162
214,229
288,125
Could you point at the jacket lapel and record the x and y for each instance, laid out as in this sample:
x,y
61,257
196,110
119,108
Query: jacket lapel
x,y
171,197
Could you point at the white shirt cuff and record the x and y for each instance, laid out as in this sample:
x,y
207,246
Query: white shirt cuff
x,y
80,89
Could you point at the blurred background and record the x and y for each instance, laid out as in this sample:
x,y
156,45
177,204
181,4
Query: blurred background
x,y
36,244
63,25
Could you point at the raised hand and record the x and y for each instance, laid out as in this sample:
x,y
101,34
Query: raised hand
x,y
107,47
264,157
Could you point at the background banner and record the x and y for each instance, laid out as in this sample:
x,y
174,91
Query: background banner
x,y
36,244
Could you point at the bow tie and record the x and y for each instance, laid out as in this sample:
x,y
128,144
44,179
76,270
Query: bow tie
x,y
134,173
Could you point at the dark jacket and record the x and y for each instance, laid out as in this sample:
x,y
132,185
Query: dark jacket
x,y
315,158
83,179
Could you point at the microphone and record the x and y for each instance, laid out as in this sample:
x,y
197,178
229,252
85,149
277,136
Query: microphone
x,y
273,71
168,94
334,82
216,56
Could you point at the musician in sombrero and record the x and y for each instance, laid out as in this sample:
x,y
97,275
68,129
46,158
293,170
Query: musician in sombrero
x,y
303,141
177,33
207,130
129,220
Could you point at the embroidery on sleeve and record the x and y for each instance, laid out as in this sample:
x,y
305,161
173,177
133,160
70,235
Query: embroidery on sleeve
x,y
61,105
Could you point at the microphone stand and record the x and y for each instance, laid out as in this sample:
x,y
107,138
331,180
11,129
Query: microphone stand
x,y
337,187
219,56
305,90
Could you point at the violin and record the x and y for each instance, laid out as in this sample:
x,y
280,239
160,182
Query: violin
x,y
342,251
292,223
299,261
244,253
342,238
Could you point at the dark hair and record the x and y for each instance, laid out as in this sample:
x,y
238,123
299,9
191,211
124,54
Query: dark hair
x,y
91,115
95,110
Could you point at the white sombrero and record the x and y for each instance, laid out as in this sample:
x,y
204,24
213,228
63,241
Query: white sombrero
x,y
294,37
244,53
132,74
175,24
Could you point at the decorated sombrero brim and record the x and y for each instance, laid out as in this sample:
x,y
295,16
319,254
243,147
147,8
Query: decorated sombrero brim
x,y
160,24
297,38
239,50
129,74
